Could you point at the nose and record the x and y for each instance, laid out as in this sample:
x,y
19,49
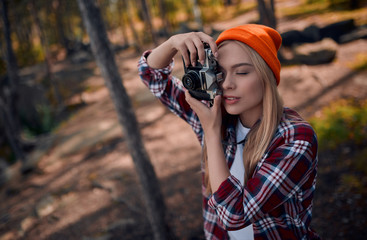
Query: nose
x,y
228,83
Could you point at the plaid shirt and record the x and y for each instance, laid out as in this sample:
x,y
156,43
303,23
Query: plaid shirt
x,y
277,199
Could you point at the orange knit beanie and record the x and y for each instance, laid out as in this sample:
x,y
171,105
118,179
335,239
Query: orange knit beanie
x,y
264,40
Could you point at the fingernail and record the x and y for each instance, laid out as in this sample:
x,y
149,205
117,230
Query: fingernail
x,y
216,54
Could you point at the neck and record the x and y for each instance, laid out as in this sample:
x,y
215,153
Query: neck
x,y
250,117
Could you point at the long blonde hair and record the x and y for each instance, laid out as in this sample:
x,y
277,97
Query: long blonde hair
x,y
261,134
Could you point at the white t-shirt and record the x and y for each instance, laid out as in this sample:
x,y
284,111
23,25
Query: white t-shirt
x,y
238,170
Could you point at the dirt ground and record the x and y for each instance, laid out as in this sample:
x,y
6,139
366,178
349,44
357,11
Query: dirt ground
x,y
86,186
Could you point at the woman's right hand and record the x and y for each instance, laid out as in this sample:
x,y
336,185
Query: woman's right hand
x,y
191,46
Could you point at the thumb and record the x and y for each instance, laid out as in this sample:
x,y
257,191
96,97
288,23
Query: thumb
x,y
217,102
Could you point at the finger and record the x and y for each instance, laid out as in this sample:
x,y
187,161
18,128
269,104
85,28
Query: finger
x,y
185,55
200,49
217,103
193,52
195,104
209,40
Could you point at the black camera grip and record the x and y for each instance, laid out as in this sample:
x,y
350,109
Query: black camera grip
x,y
200,94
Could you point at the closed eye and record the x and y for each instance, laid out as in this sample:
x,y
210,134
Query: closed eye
x,y
242,73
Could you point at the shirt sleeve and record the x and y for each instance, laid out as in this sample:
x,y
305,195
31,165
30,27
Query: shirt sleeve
x,y
283,174
170,91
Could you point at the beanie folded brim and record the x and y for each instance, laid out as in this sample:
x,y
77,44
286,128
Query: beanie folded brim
x,y
264,40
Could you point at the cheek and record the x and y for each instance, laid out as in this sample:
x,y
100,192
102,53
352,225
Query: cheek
x,y
254,89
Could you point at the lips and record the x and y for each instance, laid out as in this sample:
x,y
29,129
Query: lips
x,y
231,99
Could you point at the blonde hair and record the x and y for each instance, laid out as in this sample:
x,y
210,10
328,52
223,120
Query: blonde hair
x,y
261,134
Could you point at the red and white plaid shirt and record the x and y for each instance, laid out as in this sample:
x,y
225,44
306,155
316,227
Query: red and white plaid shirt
x,y
277,199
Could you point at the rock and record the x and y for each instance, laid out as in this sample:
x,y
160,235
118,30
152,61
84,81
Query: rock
x,y
27,223
315,53
311,34
338,29
360,33
81,57
308,35
45,206
291,37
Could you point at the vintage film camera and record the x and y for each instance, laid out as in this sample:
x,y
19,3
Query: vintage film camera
x,y
202,81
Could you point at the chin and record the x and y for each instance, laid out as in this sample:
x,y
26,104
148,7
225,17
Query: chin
x,y
232,111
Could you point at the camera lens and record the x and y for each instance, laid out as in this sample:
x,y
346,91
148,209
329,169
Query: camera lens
x,y
191,80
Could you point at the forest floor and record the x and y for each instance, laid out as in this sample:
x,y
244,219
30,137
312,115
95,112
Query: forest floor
x,y
85,185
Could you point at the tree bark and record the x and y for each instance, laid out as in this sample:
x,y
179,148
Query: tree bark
x,y
137,43
12,70
148,21
44,43
197,14
106,62
61,26
163,12
267,13
8,123
123,21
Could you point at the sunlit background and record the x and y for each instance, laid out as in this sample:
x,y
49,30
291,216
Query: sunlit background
x,y
65,169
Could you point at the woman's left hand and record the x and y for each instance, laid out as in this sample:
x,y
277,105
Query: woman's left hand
x,y
210,117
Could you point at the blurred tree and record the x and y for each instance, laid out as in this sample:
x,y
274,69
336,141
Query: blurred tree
x,y
267,13
59,11
148,21
45,45
126,4
8,92
122,10
7,121
197,14
228,2
11,96
106,62
163,13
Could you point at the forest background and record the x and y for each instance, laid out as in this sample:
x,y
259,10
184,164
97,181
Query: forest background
x,y
66,171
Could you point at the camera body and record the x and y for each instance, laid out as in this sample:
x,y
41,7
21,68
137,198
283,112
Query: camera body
x,y
202,81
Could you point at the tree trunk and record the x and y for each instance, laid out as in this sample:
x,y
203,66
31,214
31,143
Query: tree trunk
x,y
166,24
122,10
267,13
61,26
106,62
197,14
12,70
148,21
8,123
44,43
127,6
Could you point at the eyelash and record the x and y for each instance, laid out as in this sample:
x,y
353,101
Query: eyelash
x,y
242,73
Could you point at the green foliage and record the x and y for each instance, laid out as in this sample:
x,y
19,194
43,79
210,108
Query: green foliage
x,y
29,56
312,7
47,121
308,8
344,121
216,11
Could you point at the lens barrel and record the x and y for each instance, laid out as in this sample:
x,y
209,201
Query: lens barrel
x,y
191,80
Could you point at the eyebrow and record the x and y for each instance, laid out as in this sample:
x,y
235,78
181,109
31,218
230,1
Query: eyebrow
x,y
242,64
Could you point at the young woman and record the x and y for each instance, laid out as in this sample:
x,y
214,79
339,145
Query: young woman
x,y
259,158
